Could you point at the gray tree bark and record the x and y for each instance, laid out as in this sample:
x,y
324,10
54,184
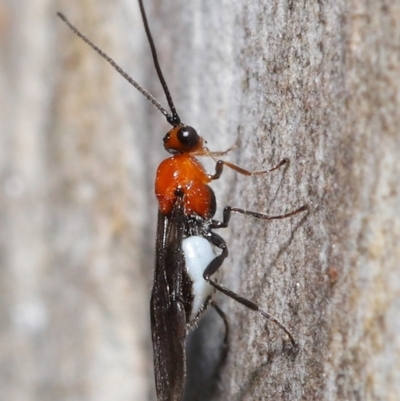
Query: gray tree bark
x,y
316,82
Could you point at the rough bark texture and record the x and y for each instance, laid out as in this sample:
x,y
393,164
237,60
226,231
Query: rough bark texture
x,y
316,82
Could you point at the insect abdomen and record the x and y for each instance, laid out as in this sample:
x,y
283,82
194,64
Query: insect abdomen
x,y
198,255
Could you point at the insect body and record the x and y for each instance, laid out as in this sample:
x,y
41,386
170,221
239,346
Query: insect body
x,y
184,171
186,268
186,265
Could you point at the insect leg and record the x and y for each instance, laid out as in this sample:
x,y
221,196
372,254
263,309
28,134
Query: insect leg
x,y
216,264
207,152
225,348
219,166
223,316
229,209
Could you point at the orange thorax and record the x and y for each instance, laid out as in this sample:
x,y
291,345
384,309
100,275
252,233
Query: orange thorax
x,y
187,173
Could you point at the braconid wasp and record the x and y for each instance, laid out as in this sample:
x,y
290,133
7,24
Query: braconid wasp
x,y
186,266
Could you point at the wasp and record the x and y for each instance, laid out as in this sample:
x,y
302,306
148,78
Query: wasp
x,y
186,262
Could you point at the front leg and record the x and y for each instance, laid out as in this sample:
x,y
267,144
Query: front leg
x,y
219,166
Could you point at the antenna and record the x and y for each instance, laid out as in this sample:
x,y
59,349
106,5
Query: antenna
x,y
173,119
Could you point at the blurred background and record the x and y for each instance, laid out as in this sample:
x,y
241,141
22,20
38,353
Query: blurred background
x,y
75,261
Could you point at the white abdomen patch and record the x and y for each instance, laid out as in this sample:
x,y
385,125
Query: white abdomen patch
x,y
198,254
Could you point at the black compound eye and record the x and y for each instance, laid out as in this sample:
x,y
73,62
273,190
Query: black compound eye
x,y
188,137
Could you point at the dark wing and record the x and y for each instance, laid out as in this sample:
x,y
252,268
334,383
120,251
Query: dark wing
x,y
168,317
